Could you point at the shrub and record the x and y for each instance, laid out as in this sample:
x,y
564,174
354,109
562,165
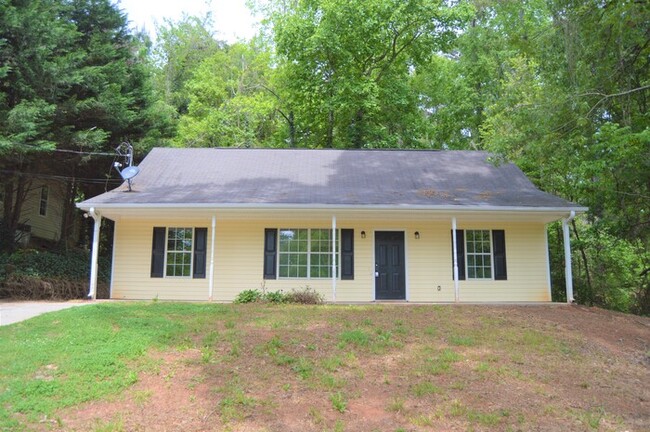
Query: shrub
x,y
248,296
38,275
74,265
305,295
25,287
275,297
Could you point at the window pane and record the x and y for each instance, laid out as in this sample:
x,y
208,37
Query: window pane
x,y
305,253
478,254
179,252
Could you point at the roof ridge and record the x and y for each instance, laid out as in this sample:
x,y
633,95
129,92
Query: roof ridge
x,y
326,149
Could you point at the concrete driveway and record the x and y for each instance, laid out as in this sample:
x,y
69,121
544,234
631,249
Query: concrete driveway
x,y
13,312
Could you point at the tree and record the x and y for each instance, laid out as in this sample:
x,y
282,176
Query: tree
x,y
347,65
231,103
572,112
180,48
73,81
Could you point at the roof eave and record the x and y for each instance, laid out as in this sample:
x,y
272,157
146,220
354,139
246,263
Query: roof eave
x,y
277,206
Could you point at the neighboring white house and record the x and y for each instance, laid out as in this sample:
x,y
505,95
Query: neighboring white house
x,y
355,225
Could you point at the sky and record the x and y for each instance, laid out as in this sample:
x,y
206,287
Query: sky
x,y
232,19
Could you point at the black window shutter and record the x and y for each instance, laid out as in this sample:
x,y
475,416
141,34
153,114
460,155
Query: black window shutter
x,y
499,252
460,253
347,254
270,252
158,252
200,248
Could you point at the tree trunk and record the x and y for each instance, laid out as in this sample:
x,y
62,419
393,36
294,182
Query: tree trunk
x,y
330,129
67,219
292,130
357,138
8,203
15,193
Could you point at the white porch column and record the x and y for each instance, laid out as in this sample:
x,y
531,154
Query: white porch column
x,y
453,240
92,291
211,281
334,258
568,273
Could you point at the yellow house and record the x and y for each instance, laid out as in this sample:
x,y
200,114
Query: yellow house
x,y
42,211
355,225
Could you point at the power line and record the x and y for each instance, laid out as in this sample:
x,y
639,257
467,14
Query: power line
x,y
57,177
65,151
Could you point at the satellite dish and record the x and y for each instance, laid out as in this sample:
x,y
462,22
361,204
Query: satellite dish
x,y
129,172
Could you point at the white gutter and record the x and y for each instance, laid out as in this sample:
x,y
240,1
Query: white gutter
x,y
454,208
211,281
92,291
568,273
453,240
334,258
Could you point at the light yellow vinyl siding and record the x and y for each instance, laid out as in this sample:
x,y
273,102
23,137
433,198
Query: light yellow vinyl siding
x,y
132,267
47,227
526,260
238,265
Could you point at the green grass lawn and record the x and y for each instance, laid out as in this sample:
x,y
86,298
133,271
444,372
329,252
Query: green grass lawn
x,y
65,358
418,367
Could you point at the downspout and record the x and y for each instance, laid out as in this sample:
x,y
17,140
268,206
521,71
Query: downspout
x,y
334,259
453,240
568,273
211,281
92,291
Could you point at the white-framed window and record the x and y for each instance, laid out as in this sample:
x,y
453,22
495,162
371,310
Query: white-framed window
x,y
178,258
42,206
306,253
478,250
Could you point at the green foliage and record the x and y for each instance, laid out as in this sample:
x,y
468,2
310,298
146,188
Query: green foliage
x,y
346,66
71,265
276,297
248,296
230,104
355,337
339,401
299,296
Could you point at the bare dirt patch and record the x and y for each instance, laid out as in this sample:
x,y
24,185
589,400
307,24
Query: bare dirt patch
x,y
389,368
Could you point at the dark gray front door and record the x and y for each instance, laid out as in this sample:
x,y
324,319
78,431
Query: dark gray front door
x,y
389,266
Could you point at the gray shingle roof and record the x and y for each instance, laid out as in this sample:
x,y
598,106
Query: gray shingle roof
x,y
327,177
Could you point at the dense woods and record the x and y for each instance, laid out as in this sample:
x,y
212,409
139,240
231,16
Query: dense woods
x,y
560,87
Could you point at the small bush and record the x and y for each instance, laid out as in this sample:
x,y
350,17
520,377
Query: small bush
x,y
248,296
275,297
304,296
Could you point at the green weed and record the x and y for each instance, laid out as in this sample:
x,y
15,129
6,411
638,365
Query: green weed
x,y
339,401
425,388
303,368
332,364
462,341
356,337
396,405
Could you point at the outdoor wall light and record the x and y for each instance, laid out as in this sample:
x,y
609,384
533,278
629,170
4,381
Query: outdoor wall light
x,y
363,234
417,235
